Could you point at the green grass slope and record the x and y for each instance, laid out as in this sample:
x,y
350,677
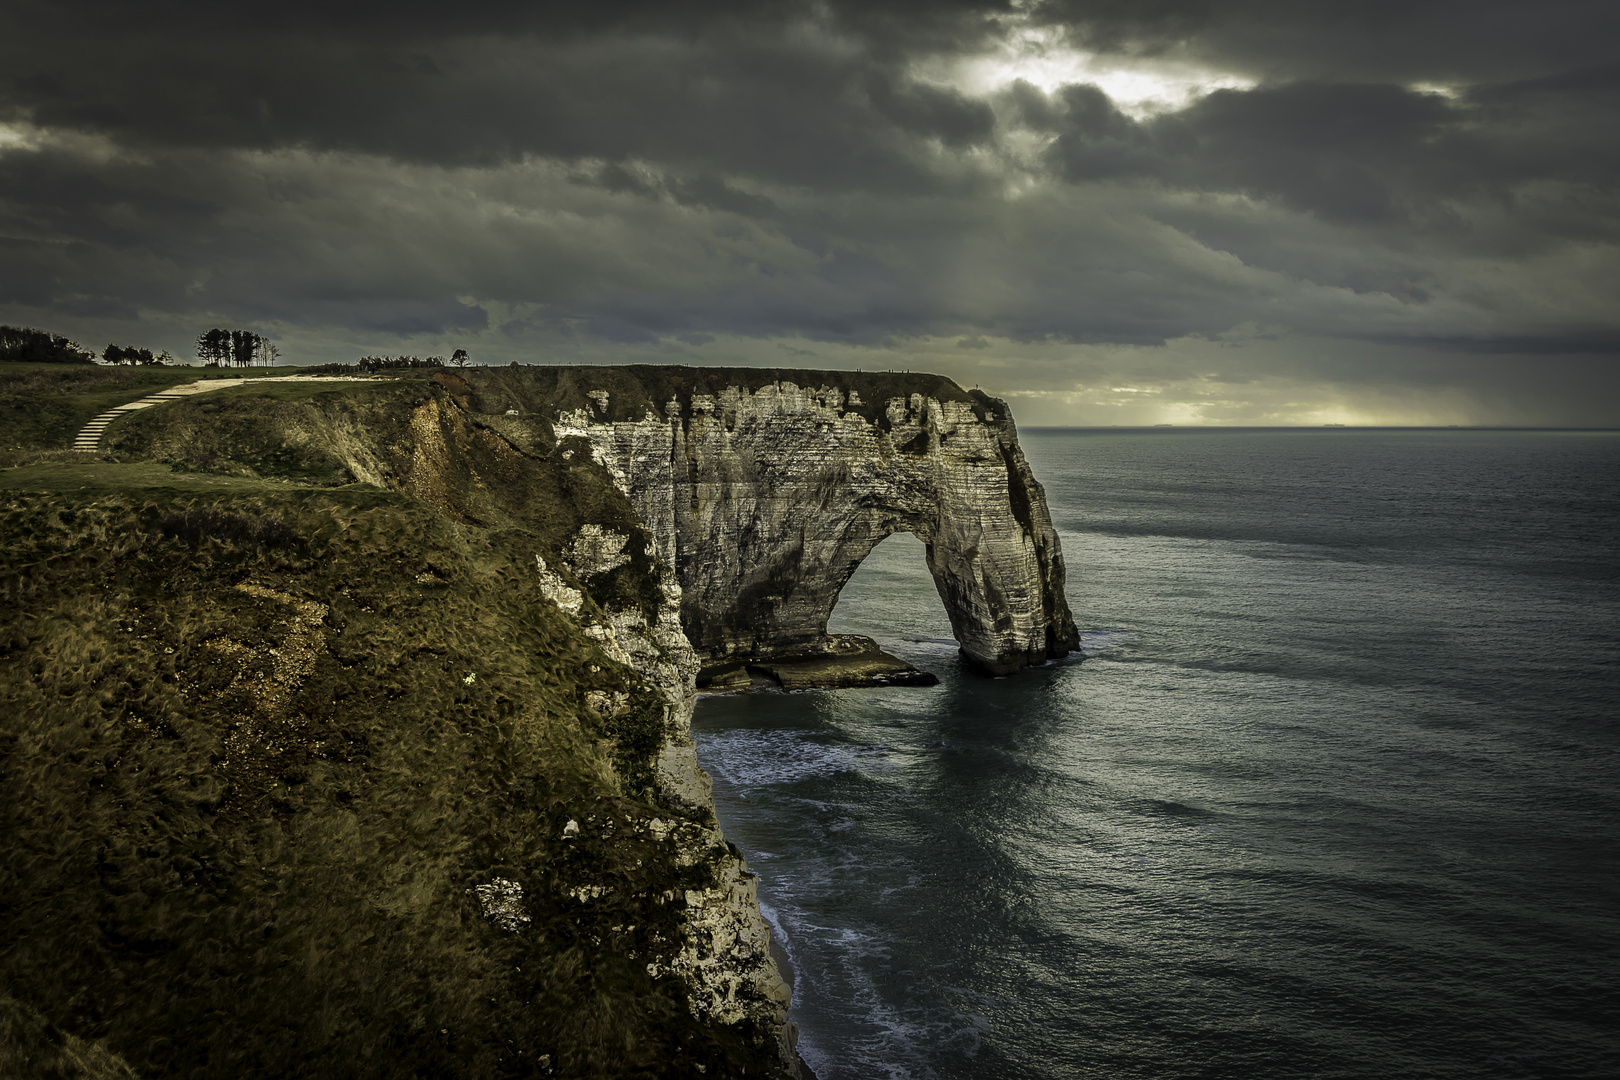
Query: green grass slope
x,y
262,743
635,389
43,406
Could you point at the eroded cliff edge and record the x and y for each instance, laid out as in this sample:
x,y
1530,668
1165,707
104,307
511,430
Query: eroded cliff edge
x,y
765,489
350,723
307,776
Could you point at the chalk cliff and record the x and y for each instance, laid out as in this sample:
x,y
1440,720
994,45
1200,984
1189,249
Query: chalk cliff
x,y
391,775
766,489
418,747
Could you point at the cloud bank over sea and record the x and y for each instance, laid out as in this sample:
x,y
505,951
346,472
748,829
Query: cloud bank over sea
x,y
1172,211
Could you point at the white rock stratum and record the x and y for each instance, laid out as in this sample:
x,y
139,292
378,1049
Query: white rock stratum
x,y
766,494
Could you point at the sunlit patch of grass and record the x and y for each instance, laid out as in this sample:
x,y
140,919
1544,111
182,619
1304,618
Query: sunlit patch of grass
x,y
271,430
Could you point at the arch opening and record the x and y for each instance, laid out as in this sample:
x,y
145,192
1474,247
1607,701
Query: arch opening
x,y
893,598
809,646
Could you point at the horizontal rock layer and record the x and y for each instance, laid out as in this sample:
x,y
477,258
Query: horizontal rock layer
x,y
766,489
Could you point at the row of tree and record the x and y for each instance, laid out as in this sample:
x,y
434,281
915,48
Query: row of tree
x,y
129,354
216,348
459,358
19,343
242,348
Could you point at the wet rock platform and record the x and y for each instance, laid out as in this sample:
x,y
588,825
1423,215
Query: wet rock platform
x,y
845,661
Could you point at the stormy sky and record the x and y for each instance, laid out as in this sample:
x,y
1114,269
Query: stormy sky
x,y
1123,211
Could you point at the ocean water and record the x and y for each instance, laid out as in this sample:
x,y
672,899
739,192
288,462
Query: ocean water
x,y
1333,792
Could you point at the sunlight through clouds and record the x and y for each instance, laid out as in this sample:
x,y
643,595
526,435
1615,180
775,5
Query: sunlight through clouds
x,y
1044,58
1113,213
17,137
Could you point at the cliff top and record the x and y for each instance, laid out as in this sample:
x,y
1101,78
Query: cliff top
x,y
634,389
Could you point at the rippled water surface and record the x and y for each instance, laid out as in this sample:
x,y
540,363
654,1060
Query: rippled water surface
x,y
1333,793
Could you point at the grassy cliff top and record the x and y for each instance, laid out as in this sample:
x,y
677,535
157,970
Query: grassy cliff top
x,y
264,740
43,406
635,389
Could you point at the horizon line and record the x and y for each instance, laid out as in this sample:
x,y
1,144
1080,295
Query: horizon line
x,y
1314,427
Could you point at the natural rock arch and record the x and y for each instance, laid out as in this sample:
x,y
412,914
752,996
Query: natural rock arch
x,y
766,495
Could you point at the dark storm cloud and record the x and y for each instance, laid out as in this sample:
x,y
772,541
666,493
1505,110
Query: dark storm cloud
x,y
1355,152
780,91
111,237
1396,41
1500,172
653,175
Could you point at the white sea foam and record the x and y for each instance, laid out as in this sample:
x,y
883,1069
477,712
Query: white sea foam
x,y
1101,642
749,759
891,1039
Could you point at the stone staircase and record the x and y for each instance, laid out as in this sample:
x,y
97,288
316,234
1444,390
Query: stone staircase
x,y
89,439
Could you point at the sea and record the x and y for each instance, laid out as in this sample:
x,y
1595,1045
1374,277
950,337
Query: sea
x,y
1331,790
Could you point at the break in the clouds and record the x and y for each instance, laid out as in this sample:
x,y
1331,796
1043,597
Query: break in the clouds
x,y
1155,211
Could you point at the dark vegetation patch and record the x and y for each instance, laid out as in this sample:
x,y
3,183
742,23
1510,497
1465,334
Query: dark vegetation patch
x,y
259,747
634,390
636,732
195,525
30,1046
631,586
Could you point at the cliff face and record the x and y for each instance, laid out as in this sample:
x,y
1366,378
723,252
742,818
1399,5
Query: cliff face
x,y
393,775
765,490
417,748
